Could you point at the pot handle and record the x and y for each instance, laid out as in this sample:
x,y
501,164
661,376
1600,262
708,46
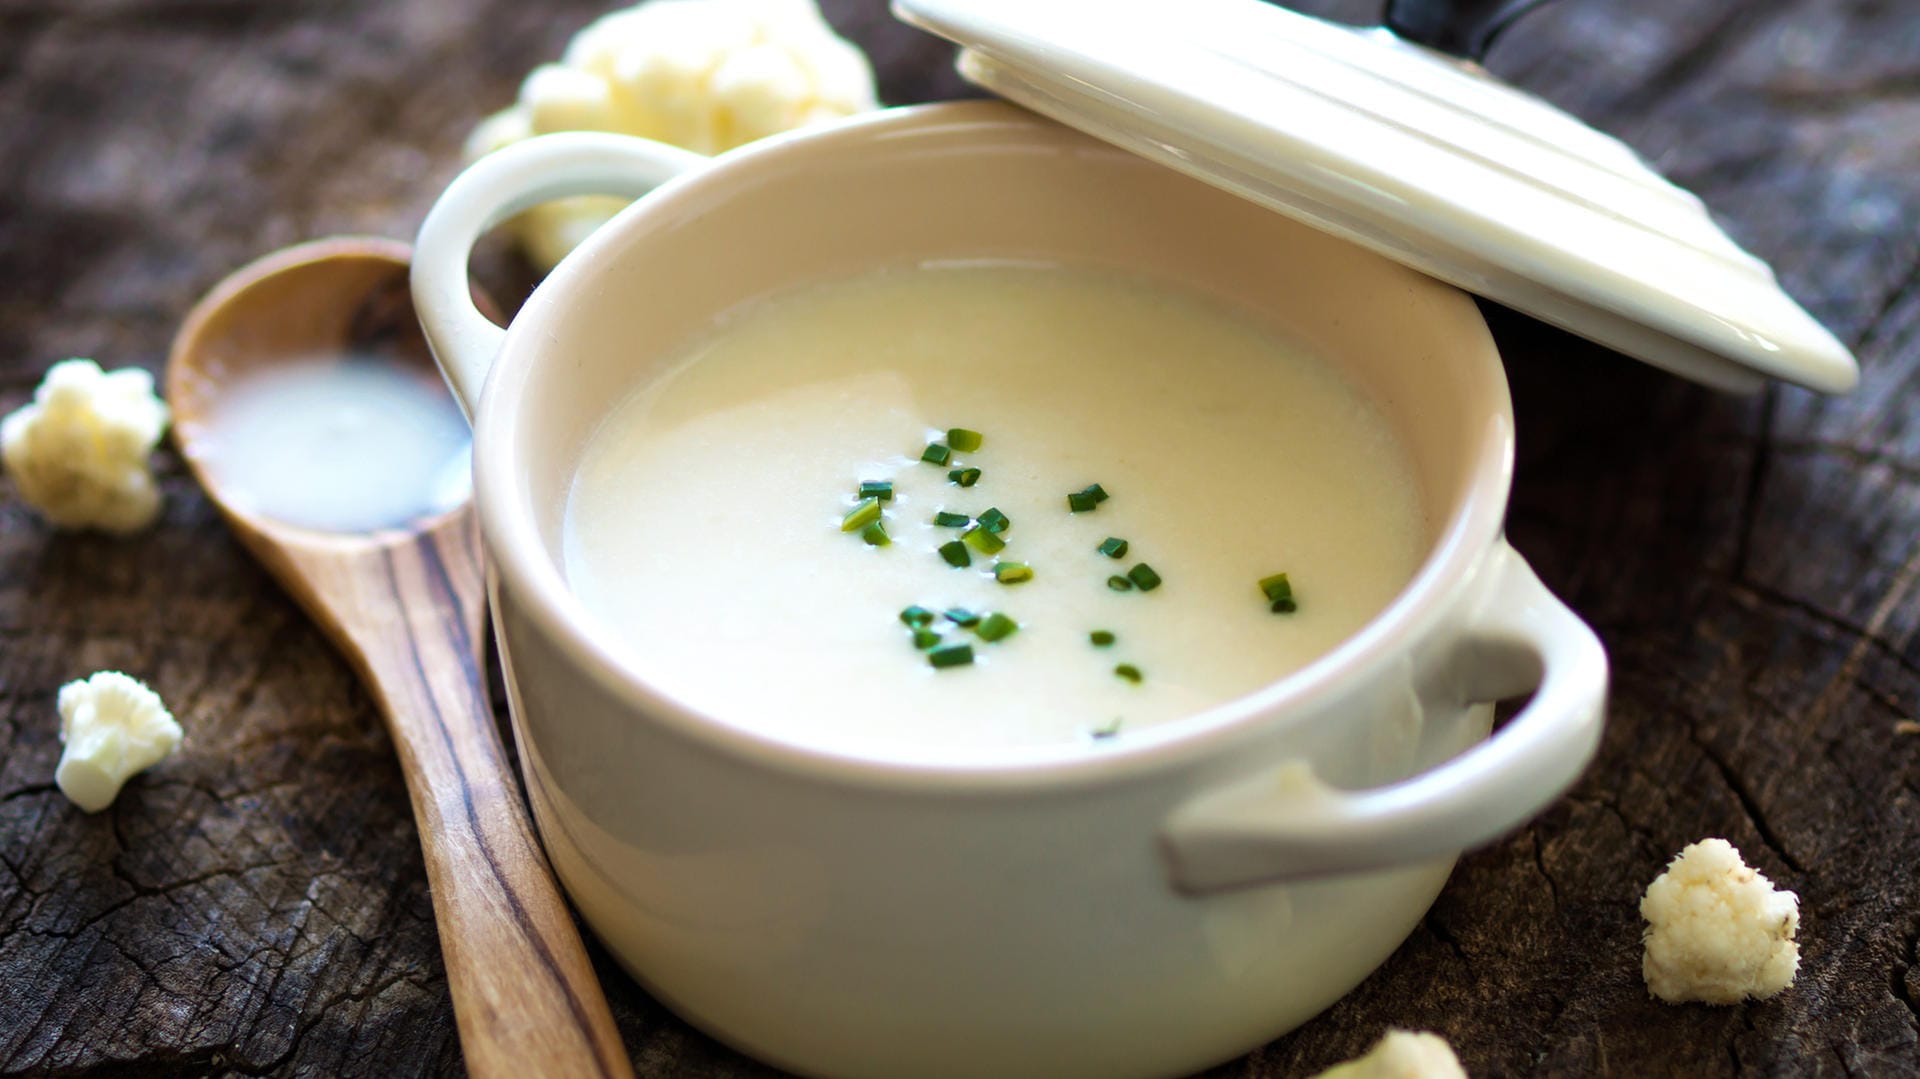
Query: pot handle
x,y
1288,825
494,188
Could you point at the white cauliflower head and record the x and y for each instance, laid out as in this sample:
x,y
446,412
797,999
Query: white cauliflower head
x,y
1402,1054
113,726
1718,932
704,75
78,451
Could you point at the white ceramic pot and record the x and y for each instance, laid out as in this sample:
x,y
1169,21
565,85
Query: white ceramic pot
x,y
1142,908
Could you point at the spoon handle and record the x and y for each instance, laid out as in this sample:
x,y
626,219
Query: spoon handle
x,y
524,995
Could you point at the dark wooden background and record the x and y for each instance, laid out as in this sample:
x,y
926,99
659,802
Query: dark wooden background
x,y
257,904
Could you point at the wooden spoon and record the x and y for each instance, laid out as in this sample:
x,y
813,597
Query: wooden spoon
x,y
406,605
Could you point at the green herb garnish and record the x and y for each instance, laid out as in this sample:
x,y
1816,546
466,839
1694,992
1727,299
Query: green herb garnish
x,y
1279,593
924,639
956,554
1112,728
876,535
953,655
994,521
1083,500
859,517
997,626
1114,547
1119,583
1143,577
936,453
880,489
983,540
1101,638
1129,672
963,440
965,477
960,616
1012,572
951,520
916,616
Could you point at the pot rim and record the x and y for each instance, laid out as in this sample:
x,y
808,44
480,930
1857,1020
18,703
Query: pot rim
x,y
1469,530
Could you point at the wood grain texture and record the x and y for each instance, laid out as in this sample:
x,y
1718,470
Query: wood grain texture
x,y
411,618
258,904
406,607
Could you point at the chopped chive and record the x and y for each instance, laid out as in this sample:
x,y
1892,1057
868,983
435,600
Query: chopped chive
x,y
1114,547
1119,583
983,540
917,616
963,440
924,639
880,489
1101,638
997,626
953,655
956,554
965,477
936,453
876,535
1129,672
960,616
994,521
1012,572
1279,593
859,517
1087,498
951,520
1111,728
1143,577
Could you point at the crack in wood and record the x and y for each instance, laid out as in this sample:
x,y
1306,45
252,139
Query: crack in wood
x,y
1907,288
1831,695
1540,863
1756,481
1749,804
1753,594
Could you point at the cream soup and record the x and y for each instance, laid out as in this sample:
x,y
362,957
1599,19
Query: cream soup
x,y
708,526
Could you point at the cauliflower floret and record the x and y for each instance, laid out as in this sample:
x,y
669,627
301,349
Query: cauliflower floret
x,y
1402,1054
78,451
704,75
113,726
1717,931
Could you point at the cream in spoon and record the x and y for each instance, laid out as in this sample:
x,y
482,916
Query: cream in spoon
x,y
340,442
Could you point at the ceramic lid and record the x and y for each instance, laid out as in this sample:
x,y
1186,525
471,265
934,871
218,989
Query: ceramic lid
x,y
1418,155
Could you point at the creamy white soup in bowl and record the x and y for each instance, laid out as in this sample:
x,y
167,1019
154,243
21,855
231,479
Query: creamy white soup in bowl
x,y
978,603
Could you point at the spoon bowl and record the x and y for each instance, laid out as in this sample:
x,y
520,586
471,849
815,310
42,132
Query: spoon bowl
x,y
329,319
402,594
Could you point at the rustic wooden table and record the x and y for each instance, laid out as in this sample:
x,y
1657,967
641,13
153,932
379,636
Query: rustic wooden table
x,y
257,904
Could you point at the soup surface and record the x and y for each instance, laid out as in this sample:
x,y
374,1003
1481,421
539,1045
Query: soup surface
x,y
714,525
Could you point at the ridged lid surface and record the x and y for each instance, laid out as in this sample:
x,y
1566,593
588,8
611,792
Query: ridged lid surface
x,y
1422,157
